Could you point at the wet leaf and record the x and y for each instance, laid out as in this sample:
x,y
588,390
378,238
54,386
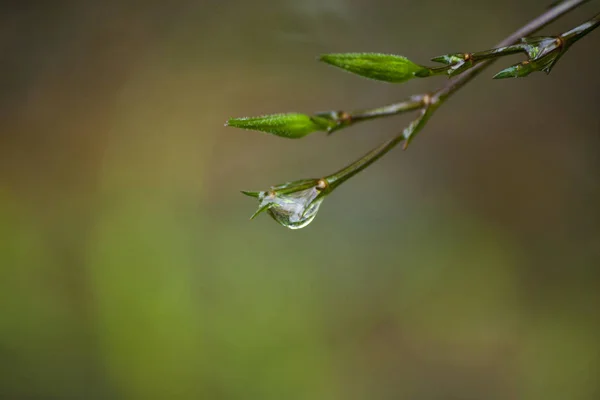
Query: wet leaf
x,y
538,47
457,63
415,126
519,70
543,54
293,204
449,59
290,125
381,67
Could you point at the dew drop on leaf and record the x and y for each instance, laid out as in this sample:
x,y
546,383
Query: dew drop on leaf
x,y
292,210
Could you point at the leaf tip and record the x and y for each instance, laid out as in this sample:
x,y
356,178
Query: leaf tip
x,y
249,193
505,73
326,58
261,210
441,60
234,122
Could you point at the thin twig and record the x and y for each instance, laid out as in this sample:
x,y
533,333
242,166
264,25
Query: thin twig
x,y
532,27
431,102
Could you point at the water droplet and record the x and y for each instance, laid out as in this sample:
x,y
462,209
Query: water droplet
x,y
292,210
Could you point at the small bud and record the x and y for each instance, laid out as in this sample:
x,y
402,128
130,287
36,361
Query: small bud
x,y
457,62
539,47
291,125
449,59
519,70
543,54
381,67
336,120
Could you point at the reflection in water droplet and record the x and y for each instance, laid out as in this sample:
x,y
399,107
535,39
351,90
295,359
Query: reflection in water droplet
x,y
292,210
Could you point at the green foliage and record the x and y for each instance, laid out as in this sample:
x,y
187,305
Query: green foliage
x,y
382,67
456,63
543,54
290,125
519,70
295,204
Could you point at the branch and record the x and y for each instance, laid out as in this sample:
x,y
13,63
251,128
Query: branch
x,y
295,204
442,94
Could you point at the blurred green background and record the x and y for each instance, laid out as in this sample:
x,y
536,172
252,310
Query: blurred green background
x,y
465,268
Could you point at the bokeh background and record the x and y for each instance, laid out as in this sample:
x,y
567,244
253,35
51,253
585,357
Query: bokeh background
x,y
467,267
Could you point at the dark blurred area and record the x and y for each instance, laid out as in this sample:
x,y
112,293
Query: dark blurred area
x,y
467,267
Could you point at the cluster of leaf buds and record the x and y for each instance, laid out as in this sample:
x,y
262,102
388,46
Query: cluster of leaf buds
x,y
295,204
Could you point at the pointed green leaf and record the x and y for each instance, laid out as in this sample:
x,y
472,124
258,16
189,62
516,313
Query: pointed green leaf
x,y
381,67
251,194
519,70
261,209
291,125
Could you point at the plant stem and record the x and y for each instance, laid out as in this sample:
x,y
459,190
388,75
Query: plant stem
x,y
497,52
533,26
414,103
577,33
336,179
345,119
433,101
